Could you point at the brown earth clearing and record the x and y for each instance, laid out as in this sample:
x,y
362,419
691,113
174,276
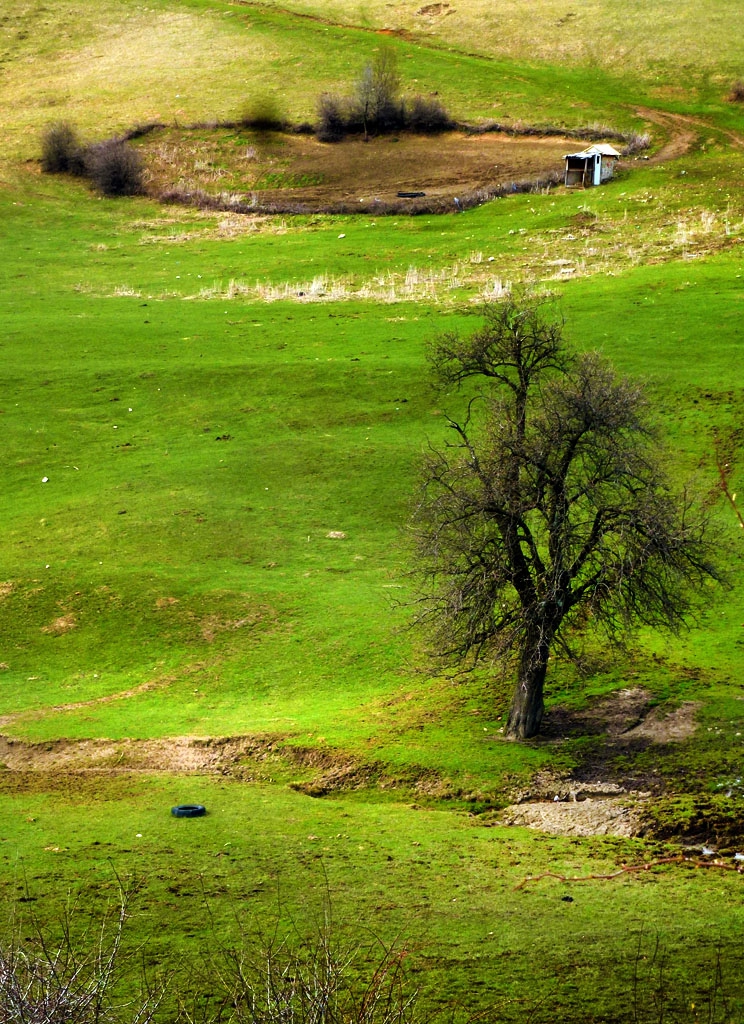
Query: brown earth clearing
x,y
298,168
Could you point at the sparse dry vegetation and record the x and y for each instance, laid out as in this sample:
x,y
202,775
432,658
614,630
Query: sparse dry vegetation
x,y
81,975
86,972
636,142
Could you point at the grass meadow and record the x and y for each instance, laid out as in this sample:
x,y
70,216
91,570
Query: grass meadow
x,y
194,402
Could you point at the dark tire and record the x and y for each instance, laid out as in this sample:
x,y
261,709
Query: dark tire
x,y
188,811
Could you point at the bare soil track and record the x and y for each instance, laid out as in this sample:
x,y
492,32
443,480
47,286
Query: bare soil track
x,y
591,800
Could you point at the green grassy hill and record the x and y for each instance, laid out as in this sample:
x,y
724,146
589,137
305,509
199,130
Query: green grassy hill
x,y
107,65
651,39
194,402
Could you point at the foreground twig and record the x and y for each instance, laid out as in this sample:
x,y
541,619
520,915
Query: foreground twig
x,y
724,469
628,868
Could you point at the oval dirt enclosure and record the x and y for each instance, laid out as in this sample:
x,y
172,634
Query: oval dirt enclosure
x,y
276,167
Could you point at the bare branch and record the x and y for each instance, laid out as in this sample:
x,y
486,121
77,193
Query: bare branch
x,y
631,868
724,461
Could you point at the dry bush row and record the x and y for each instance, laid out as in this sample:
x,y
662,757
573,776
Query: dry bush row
x,y
339,116
375,107
91,975
115,168
112,166
635,142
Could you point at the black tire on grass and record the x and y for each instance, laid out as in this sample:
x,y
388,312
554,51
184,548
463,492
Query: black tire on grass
x,y
188,811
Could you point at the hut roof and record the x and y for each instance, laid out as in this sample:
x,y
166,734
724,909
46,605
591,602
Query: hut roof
x,y
603,148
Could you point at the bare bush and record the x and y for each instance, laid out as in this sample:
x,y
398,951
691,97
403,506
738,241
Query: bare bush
x,y
114,168
310,979
339,116
426,115
636,142
332,118
737,92
73,980
61,150
377,93
376,106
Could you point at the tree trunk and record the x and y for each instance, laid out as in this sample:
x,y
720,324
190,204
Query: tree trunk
x,y
526,712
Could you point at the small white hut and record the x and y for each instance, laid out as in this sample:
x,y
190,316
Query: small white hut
x,y
591,166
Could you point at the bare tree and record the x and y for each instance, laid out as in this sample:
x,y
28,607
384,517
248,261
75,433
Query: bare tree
x,y
548,512
377,91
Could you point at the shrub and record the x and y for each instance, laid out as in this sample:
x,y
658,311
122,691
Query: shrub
x,y
115,168
74,978
339,116
287,976
737,92
390,117
636,143
332,120
376,106
61,151
427,115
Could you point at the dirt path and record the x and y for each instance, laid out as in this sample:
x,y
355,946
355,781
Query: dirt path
x,y
25,716
683,131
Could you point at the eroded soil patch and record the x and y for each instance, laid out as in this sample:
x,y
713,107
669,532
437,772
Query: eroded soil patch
x,y
592,800
597,798
178,754
609,816
624,717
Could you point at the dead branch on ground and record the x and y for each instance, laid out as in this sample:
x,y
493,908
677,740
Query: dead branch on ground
x,y
628,868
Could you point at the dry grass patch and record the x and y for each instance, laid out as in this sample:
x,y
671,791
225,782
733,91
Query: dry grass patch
x,y
416,284
595,244
212,625
208,225
62,624
115,65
